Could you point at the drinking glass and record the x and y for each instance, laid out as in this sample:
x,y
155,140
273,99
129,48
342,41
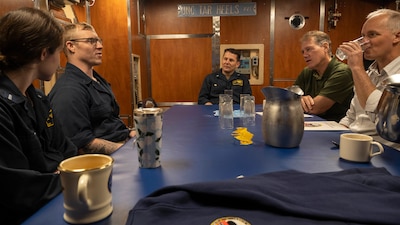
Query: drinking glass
x,y
340,54
242,102
225,111
229,92
249,112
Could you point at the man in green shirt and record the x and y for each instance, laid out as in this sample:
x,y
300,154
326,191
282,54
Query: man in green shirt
x,y
327,83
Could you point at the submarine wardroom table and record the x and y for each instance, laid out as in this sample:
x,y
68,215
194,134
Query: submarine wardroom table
x,y
195,149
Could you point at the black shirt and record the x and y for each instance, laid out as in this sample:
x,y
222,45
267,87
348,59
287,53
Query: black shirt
x,y
32,145
87,109
215,84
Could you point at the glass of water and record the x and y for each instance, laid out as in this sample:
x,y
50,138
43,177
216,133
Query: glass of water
x,y
225,111
249,112
242,103
340,54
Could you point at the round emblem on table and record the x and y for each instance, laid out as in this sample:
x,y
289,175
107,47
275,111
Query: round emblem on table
x,y
230,220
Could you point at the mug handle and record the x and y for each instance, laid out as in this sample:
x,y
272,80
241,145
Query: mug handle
x,y
82,190
372,154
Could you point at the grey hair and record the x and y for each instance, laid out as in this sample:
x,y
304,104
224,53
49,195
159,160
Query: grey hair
x,y
320,38
393,18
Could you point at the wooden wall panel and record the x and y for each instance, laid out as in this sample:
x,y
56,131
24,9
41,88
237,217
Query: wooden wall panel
x,y
8,5
251,30
139,45
80,12
288,60
178,68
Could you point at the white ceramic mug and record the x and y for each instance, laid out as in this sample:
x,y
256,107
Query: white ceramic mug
x,y
86,182
358,147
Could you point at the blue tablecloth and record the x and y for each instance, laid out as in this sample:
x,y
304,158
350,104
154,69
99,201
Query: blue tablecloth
x,y
195,149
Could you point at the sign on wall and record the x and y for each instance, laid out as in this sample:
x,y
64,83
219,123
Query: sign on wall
x,y
217,9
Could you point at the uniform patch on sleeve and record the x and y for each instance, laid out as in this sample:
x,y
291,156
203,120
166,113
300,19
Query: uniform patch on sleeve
x,y
237,82
50,120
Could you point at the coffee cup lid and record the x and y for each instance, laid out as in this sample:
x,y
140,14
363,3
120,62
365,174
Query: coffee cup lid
x,y
147,111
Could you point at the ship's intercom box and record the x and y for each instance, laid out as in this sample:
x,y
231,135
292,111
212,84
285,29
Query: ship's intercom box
x,y
245,65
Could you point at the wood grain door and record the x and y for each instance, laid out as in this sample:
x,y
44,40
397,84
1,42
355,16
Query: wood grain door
x,y
288,61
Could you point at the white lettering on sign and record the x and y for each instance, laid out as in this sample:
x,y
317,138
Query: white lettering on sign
x,y
206,10
187,10
227,9
217,9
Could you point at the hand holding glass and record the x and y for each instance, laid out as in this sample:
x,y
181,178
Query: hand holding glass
x,y
340,54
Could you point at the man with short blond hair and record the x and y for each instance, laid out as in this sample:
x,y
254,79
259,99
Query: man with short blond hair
x,y
83,100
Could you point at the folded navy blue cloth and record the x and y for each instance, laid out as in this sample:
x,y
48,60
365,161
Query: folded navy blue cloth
x,y
354,196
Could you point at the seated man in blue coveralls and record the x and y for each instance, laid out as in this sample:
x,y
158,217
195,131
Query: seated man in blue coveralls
x,y
83,100
225,79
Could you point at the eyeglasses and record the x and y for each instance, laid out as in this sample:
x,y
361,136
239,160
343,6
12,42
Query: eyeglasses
x,y
92,41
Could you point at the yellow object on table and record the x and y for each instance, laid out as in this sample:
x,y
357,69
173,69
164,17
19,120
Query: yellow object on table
x,y
243,135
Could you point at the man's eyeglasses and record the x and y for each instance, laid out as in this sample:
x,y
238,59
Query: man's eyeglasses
x,y
92,41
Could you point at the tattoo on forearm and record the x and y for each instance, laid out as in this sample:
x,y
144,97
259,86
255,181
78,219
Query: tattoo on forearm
x,y
101,146
101,150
